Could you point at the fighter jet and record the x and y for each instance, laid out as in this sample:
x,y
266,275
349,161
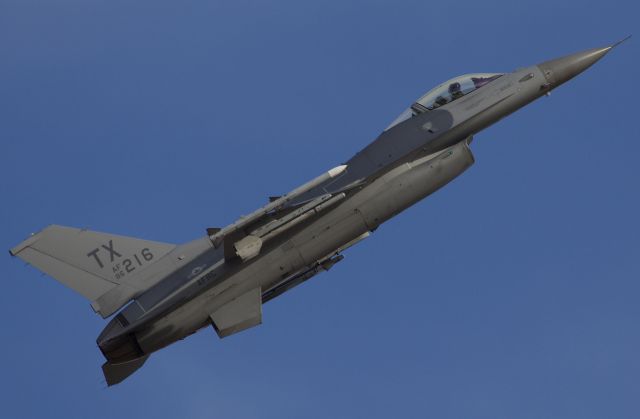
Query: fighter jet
x,y
164,292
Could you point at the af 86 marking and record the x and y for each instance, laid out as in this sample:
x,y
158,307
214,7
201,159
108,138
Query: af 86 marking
x,y
130,264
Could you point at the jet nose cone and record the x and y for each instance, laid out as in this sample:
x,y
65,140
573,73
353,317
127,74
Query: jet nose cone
x,y
565,68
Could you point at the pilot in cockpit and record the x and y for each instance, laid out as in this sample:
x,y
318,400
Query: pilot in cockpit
x,y
440,101
454,91
445,93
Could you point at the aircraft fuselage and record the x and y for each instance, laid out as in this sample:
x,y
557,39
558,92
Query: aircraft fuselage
x,y
405,164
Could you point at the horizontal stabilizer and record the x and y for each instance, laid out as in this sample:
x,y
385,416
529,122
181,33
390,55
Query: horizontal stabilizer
x,y
238,314
116,373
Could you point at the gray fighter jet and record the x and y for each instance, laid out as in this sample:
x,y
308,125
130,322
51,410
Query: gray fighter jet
x,y
222,279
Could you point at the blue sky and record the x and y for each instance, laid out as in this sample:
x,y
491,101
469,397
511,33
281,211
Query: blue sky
x,y
512,292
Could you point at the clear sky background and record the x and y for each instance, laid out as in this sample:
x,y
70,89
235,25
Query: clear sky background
x,y
511,293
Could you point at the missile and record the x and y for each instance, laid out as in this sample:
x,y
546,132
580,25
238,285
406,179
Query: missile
x,y
249,246
218,237
323,264
266,229
307,211
299,278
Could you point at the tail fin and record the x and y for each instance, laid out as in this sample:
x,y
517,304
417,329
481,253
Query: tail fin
x,y
104,268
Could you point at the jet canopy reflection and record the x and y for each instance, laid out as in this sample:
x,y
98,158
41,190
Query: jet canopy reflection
x,y
445,93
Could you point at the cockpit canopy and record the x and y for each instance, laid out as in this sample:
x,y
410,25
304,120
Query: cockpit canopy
x,y
445,93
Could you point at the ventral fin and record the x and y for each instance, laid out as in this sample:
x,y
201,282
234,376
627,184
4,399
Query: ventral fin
x,y
238,314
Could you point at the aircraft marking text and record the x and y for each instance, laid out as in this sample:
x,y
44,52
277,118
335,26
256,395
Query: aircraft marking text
x,y
131,263
128,265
